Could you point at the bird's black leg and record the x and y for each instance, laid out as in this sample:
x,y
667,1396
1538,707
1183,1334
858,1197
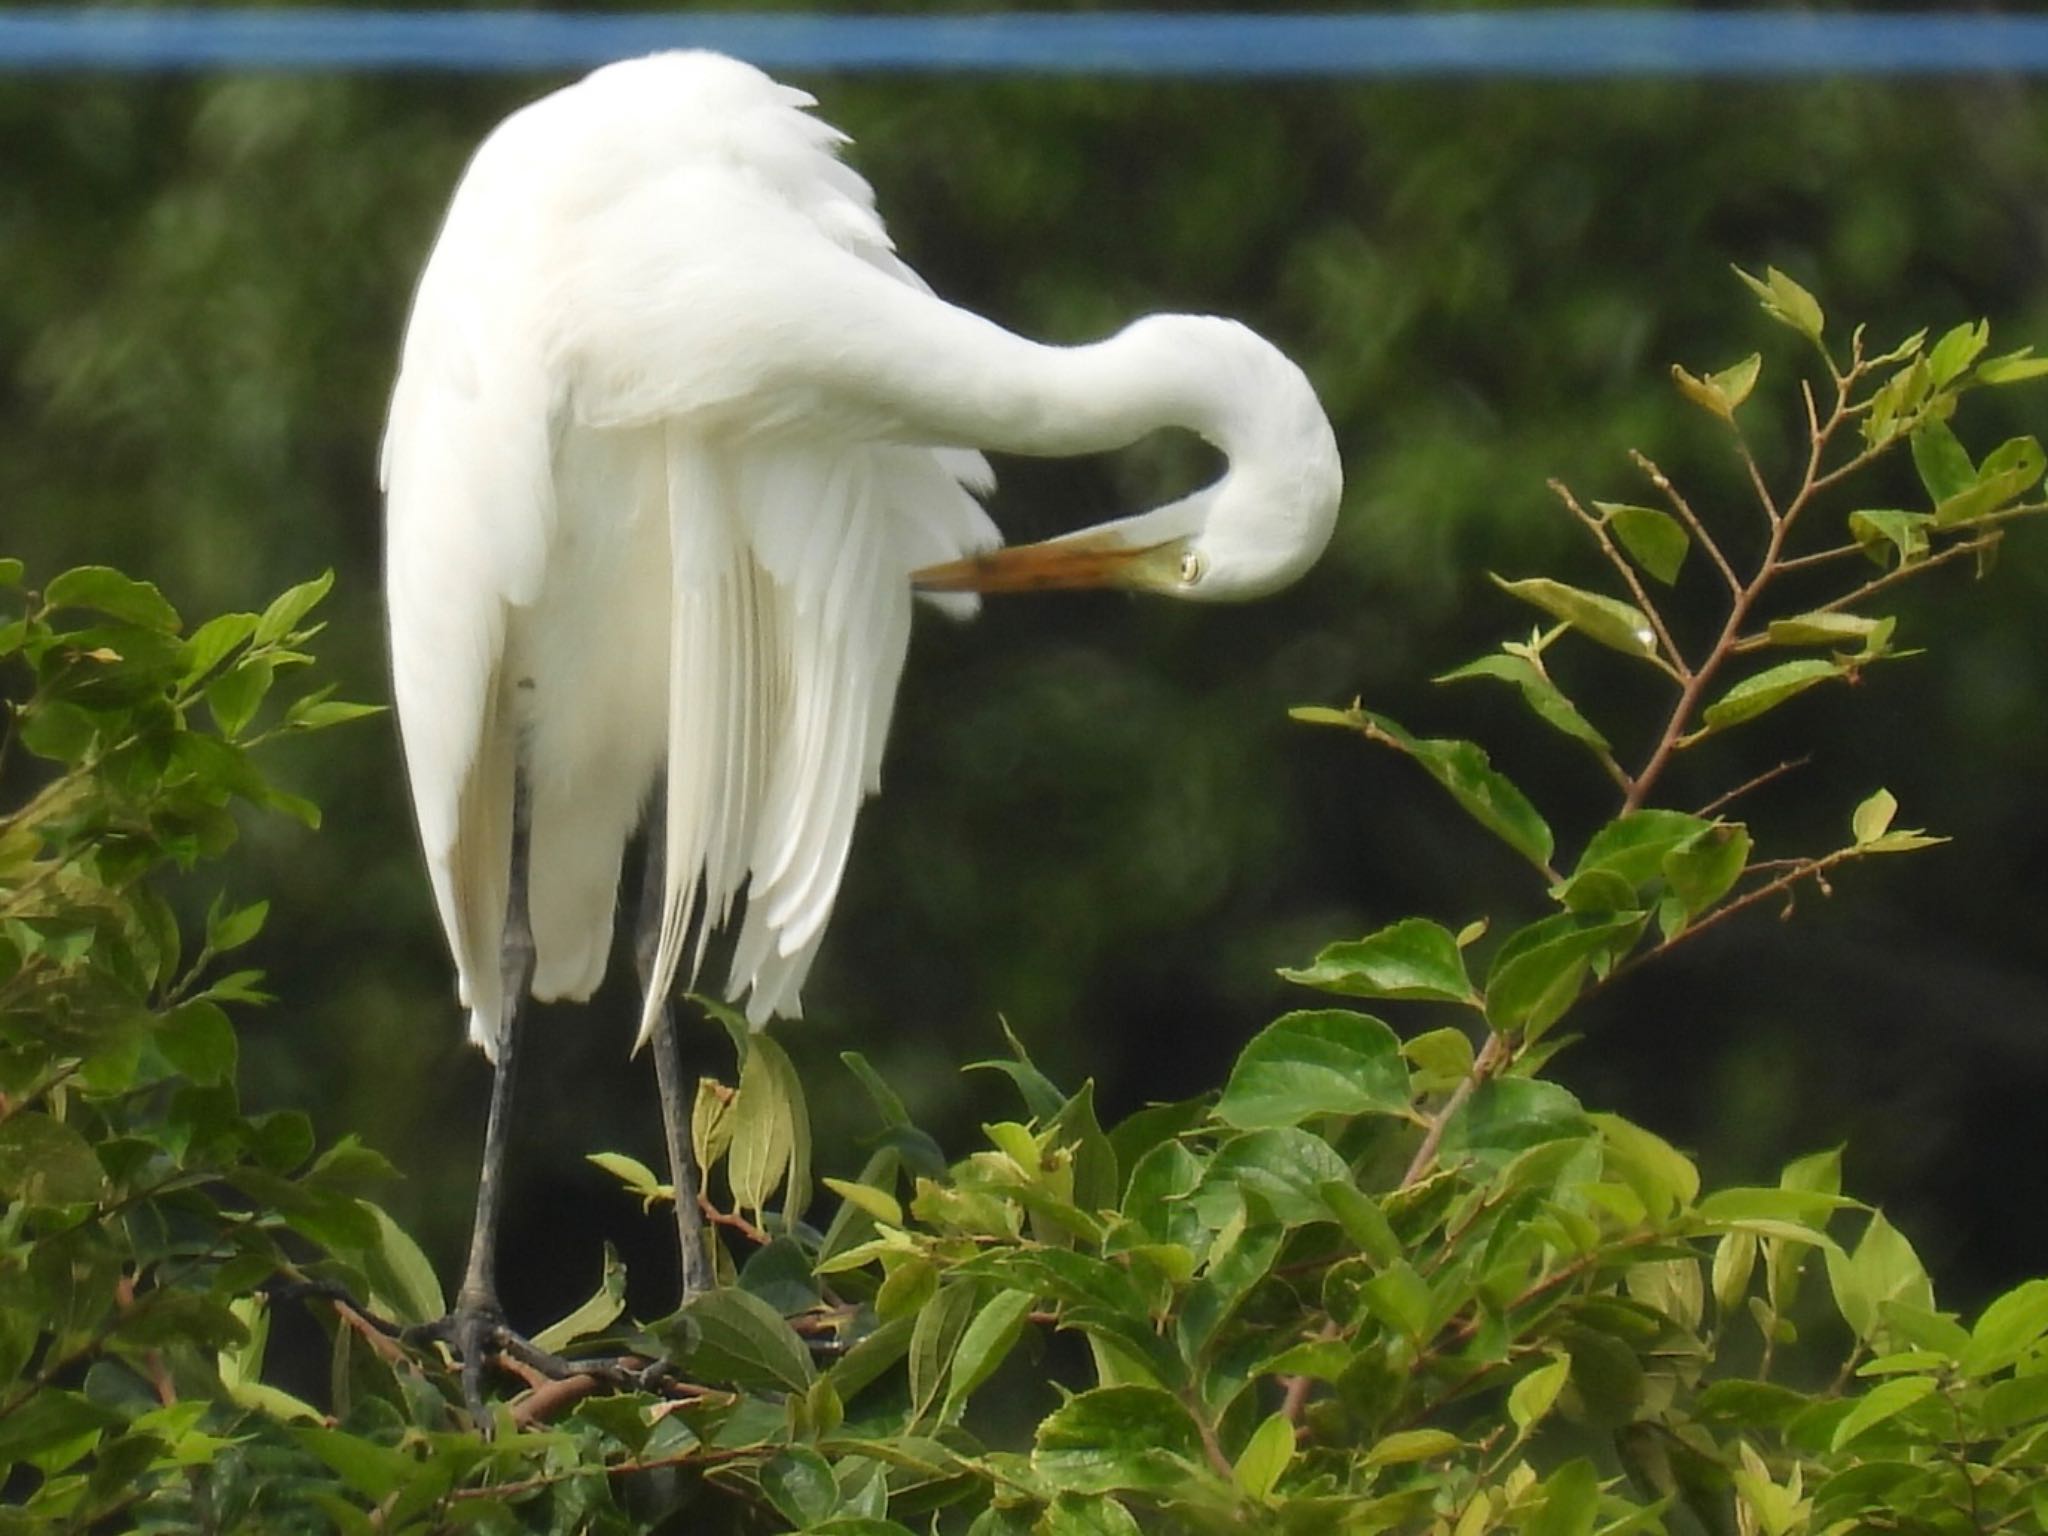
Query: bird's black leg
x,y
478,1318
677,1101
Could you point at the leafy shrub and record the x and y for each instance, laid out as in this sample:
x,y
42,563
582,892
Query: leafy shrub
x,y
1381,1281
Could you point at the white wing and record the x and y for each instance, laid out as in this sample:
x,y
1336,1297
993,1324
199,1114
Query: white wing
x,y
469,515
620,267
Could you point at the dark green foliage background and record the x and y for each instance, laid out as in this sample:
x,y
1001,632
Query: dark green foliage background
x,y
1097,821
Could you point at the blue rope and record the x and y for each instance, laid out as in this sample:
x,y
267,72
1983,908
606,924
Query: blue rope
x,y
1544,44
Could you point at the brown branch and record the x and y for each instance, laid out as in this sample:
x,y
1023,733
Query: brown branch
x,y
1805,869
1758,782
1690,518
1295,1398
1491,1058
1620,562
382,1344
734,1220
1756,480
1211,1446
1907,572
550,1398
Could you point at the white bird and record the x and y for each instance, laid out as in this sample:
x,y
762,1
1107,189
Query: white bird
x,y
675,435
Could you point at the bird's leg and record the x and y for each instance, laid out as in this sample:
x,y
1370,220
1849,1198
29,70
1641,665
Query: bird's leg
x,y
478,1319
677,1101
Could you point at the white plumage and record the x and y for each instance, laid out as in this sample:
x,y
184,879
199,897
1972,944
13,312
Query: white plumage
x,y
673,432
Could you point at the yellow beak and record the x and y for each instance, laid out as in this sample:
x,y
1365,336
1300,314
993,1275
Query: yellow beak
x,y
1053,565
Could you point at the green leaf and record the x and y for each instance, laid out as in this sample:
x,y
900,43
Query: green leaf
x,y
1531,1397
1284,1166
1636,845
1617,625
1662,1176
231,930
1944,464
1362,1219
1324,1062
1884,534
403,1281
1508,1115
1874,817
1956,350
1073,1515
1655,540
1415,958
1441,1054
1881,1268
1737,380
1265,1458
1786,302
198,1041
1765,691
235,696
742,1339
320,714
107,590
1041,1098
1838,629
58,730
212,641
1704,868
2012,368
771,1132
799,1483
596,1314
371,1470
984,1345
1571,1501
1129,1437
933,1340
2008,471
634,1174
1409,1445
887,1104
1538,692
1885,1401
290,606
11,572
1536,974
1704,393
2010,1327
1803,1207
44,1161
878,1203
1156,1198
1490,798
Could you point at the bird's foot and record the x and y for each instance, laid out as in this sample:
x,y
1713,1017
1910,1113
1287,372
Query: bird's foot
x,y
476,1334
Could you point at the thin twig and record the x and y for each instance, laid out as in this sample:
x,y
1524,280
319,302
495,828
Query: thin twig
x,y
1690,518
734,1220
1901,573
1491,1058
1756,480
1621,563
1758,782
1808,869
550,1398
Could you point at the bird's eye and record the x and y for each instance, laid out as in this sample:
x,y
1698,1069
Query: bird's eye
x,y
1192,565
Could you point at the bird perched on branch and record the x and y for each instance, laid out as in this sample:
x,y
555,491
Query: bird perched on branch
x,y
675,437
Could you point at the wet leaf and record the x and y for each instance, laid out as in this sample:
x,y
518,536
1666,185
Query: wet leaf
x,y
1617,625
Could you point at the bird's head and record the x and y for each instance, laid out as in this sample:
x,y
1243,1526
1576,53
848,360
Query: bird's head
x,y
1253,531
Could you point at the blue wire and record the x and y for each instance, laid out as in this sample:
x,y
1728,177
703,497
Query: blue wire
x,y
1543,44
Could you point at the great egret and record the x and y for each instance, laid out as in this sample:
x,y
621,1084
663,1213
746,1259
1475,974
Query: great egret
x,y
674,437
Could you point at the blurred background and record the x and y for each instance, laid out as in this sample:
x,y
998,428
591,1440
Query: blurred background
x,y
1098,823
